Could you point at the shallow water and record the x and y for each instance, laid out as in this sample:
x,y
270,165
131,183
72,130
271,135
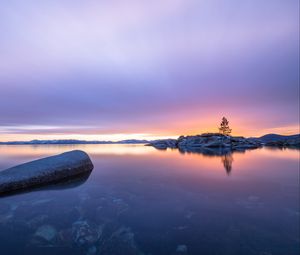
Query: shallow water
x,y
139,200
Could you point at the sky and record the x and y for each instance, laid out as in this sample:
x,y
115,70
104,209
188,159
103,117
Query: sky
x,y
113,69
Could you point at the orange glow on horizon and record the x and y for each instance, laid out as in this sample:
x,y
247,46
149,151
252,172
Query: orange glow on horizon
x,y
174,129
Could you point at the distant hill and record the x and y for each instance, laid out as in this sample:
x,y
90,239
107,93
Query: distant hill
x,y
40,142
132,141
269,138
275,138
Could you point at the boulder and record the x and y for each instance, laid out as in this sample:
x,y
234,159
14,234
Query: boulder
x,y
163,144
45,171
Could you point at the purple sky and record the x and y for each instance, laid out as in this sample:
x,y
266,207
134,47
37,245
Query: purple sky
x,y
147,68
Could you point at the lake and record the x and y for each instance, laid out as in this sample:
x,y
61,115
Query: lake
x,y
139,200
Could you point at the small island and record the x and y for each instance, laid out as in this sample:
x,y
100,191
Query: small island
x,y
225,142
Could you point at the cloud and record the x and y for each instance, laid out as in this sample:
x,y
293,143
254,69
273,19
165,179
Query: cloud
x,y
140,66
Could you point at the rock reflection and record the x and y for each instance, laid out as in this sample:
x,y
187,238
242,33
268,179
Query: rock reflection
x,y
225,154
227,162
57,185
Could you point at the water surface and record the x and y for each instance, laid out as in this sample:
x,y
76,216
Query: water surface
x,y
139,200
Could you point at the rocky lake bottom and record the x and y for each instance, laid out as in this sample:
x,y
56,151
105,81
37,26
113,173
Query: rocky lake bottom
x,y
140,200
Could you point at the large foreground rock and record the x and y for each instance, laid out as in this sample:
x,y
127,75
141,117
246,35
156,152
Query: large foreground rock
x,y
44,171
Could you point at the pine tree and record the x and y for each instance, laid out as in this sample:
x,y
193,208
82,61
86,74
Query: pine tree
x,y
224,127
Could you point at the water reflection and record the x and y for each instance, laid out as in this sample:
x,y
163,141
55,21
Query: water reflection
x,y
139,200
227,162
69,183
225,154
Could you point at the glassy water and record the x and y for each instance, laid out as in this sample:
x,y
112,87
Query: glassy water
x,y
139,200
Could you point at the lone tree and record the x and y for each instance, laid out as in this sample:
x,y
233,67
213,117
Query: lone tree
x,y
224,127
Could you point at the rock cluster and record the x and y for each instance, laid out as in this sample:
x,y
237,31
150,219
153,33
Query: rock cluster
x,y
291,143
163,144
207,141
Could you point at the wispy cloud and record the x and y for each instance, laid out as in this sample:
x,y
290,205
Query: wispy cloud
x,y
155,67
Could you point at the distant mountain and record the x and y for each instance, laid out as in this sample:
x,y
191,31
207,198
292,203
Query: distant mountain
x,y
40,142
275,138
132,141
266,139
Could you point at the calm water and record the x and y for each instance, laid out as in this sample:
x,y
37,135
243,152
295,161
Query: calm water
x,y
139,200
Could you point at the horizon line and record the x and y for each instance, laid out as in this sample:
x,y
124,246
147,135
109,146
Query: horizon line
x,y
152,138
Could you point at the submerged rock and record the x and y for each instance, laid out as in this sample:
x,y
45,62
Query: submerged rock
x,y
45,235
92,250
85,233
46,232
181,249
118,242
44,171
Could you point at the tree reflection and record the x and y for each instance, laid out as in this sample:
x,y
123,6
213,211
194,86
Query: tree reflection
x,y
227,162
226,155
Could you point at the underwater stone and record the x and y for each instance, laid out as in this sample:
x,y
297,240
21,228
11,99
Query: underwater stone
x,y
182,248
46,232
44,171
85,233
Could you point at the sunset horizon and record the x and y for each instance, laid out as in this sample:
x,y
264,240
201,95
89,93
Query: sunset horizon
x,y
162,127
160,69
37,133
